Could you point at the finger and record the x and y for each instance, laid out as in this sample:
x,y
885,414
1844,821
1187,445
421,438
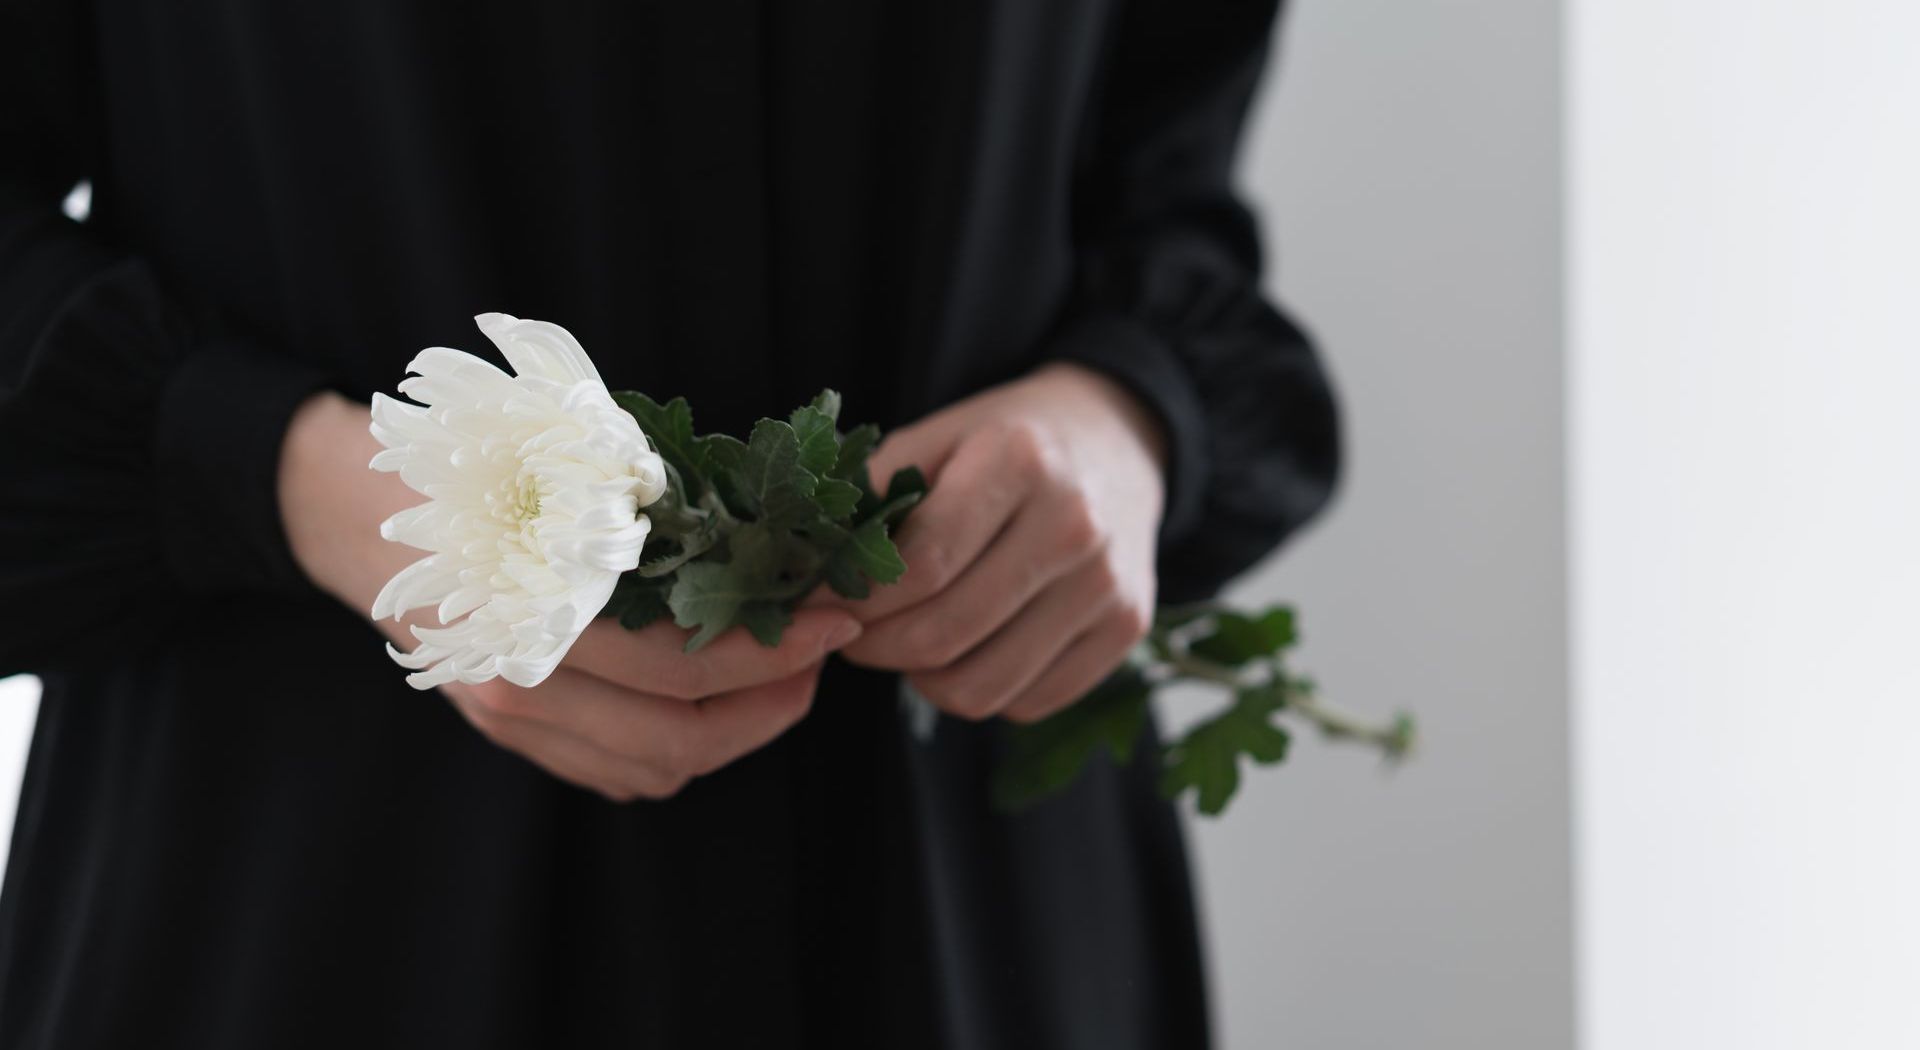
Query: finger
x,y
726,727
1040,546
654,660
927,444
1089,659
671,736
649,745
565,755
987,679
974,498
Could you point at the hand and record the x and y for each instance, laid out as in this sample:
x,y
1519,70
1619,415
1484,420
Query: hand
x,y
1030,567
628,714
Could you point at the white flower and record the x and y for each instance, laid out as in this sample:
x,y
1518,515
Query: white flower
x,y
534,484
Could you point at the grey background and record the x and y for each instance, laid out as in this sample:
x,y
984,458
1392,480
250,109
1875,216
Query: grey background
x,y
1407,160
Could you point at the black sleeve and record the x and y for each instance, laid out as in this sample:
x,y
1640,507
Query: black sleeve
x,y
1168,299
138,445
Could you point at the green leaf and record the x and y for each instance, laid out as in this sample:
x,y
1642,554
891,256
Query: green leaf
x,y
637,601
758,523
1237,638
679,552
867,554
907,487
819,442
1207,759
827,403
835,498
670,428
766,620
711,596
1046,756
850,464
766,475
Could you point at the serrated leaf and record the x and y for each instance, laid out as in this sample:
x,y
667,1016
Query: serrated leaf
x,y
1207,758
726,454
835,498
819,443
867,554
637,601
670,428
765,476
827,403
1045,756
1236,638
766,620
846,580
711,596
850,464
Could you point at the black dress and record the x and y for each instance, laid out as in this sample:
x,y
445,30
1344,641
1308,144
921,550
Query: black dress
x,y
239,828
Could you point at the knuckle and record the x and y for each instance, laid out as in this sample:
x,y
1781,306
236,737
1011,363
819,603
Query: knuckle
x,y
1025,451
801,705
1104,576
1028,713
498,700
959,697
678,756
662,787
683,678
929,644
673,785
484,721
932,568
1079,530
619,793
975,707
697,760
1134,619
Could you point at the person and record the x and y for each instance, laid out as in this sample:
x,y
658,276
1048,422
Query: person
x,y
1006,230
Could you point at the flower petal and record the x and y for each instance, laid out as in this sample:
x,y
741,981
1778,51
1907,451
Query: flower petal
x,y
537,348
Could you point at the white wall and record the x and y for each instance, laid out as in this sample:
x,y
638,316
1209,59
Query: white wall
x,y
1746,395
1407,159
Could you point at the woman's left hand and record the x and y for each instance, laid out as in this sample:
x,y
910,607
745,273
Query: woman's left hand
x,y
1030,566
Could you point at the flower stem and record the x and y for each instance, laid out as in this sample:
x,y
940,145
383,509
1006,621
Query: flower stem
x,y
1165,658
1394,738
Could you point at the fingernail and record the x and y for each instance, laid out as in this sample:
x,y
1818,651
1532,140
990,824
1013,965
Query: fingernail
x,y
843,634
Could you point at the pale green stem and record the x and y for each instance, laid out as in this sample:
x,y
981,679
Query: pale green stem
x,y
1394,739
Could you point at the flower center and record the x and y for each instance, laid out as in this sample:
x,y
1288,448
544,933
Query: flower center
x,y
526,503
517,500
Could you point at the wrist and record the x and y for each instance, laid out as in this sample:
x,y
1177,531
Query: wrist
x,y
331,504
1133,414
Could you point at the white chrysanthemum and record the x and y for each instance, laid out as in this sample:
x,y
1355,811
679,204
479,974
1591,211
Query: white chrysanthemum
x,y
534,484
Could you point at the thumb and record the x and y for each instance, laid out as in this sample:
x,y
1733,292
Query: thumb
x,y
926,444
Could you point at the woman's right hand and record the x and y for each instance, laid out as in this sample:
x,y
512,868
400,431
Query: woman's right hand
x,y
627,714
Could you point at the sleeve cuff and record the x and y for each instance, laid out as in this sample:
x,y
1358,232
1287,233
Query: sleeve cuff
x,y
1129,352
218,430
